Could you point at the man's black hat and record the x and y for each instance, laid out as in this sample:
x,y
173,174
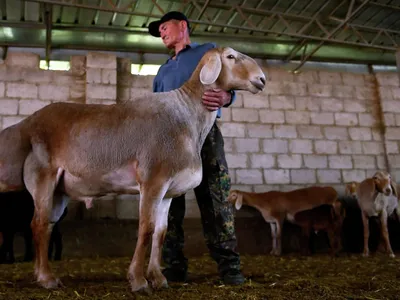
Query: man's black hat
x,y
172,15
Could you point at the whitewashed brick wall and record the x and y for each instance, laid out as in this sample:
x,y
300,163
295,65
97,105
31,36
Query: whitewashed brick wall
x,y
311,128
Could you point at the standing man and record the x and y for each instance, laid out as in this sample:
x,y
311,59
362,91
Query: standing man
x,y
216,213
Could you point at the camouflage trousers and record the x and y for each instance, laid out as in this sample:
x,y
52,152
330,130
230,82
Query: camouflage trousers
x,y
217,215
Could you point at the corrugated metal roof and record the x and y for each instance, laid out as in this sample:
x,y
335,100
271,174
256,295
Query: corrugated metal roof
x,y
331,30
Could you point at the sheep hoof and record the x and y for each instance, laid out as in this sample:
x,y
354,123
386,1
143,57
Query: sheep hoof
x,y
392,255
140,286
365,254
50,282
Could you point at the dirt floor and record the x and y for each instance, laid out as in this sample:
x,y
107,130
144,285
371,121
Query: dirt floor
x,y
287,277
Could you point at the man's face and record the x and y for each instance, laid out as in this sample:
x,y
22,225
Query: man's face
x,y
172,32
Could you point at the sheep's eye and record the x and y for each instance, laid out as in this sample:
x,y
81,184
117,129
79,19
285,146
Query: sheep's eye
x,y
230,56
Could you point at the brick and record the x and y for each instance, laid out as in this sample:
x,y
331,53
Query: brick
x,y
247,145
389,119
238,100
274,88
353,175
326,77
307,77
23,59
226,115
262,161
278,74
385,93
346,119
143,81
272,117
11,120
376,134
39,76
392,147
331,104
236,160
391,106
244,115
28,107
101,60
355,106
395,91
394,160
273,176
372,148
124,65
343,91
301,146
255,101
329,176
232,130
93,75
320,90
366,120
336,133
275,146
249,176
101,92
310,132
22,90
364,93
392,133
397,119
66,79
54,92
8,107
297,117
340,162
259,131
315,161
281,102
77,93
381,162
228,144
387,79
353,79
360,134
325,147
350,147
78,64
364,162
285,131
307,104
322,118
303,176
127,207
292,88
292,161
2,89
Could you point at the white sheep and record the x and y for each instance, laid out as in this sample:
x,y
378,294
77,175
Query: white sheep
x,y
148,145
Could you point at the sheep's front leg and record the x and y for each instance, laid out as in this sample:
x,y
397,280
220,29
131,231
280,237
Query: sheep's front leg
x,y
154,273
365,221
385,234
273,235
151,196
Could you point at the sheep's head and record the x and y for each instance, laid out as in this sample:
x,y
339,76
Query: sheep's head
x,y
382,182
351,189
235,198
228,69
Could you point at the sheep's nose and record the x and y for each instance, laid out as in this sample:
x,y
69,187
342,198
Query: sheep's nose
x,y
388,191
262,79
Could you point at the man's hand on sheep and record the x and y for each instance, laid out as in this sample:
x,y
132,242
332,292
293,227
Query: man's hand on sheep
x,y
216,98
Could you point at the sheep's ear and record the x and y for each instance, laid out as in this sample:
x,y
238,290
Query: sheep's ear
x,y
394,188
211,70
239,201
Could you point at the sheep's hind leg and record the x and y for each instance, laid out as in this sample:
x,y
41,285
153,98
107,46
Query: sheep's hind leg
x,y
41,183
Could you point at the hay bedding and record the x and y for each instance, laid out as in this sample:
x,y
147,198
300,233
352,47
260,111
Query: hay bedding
x,y
286,277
